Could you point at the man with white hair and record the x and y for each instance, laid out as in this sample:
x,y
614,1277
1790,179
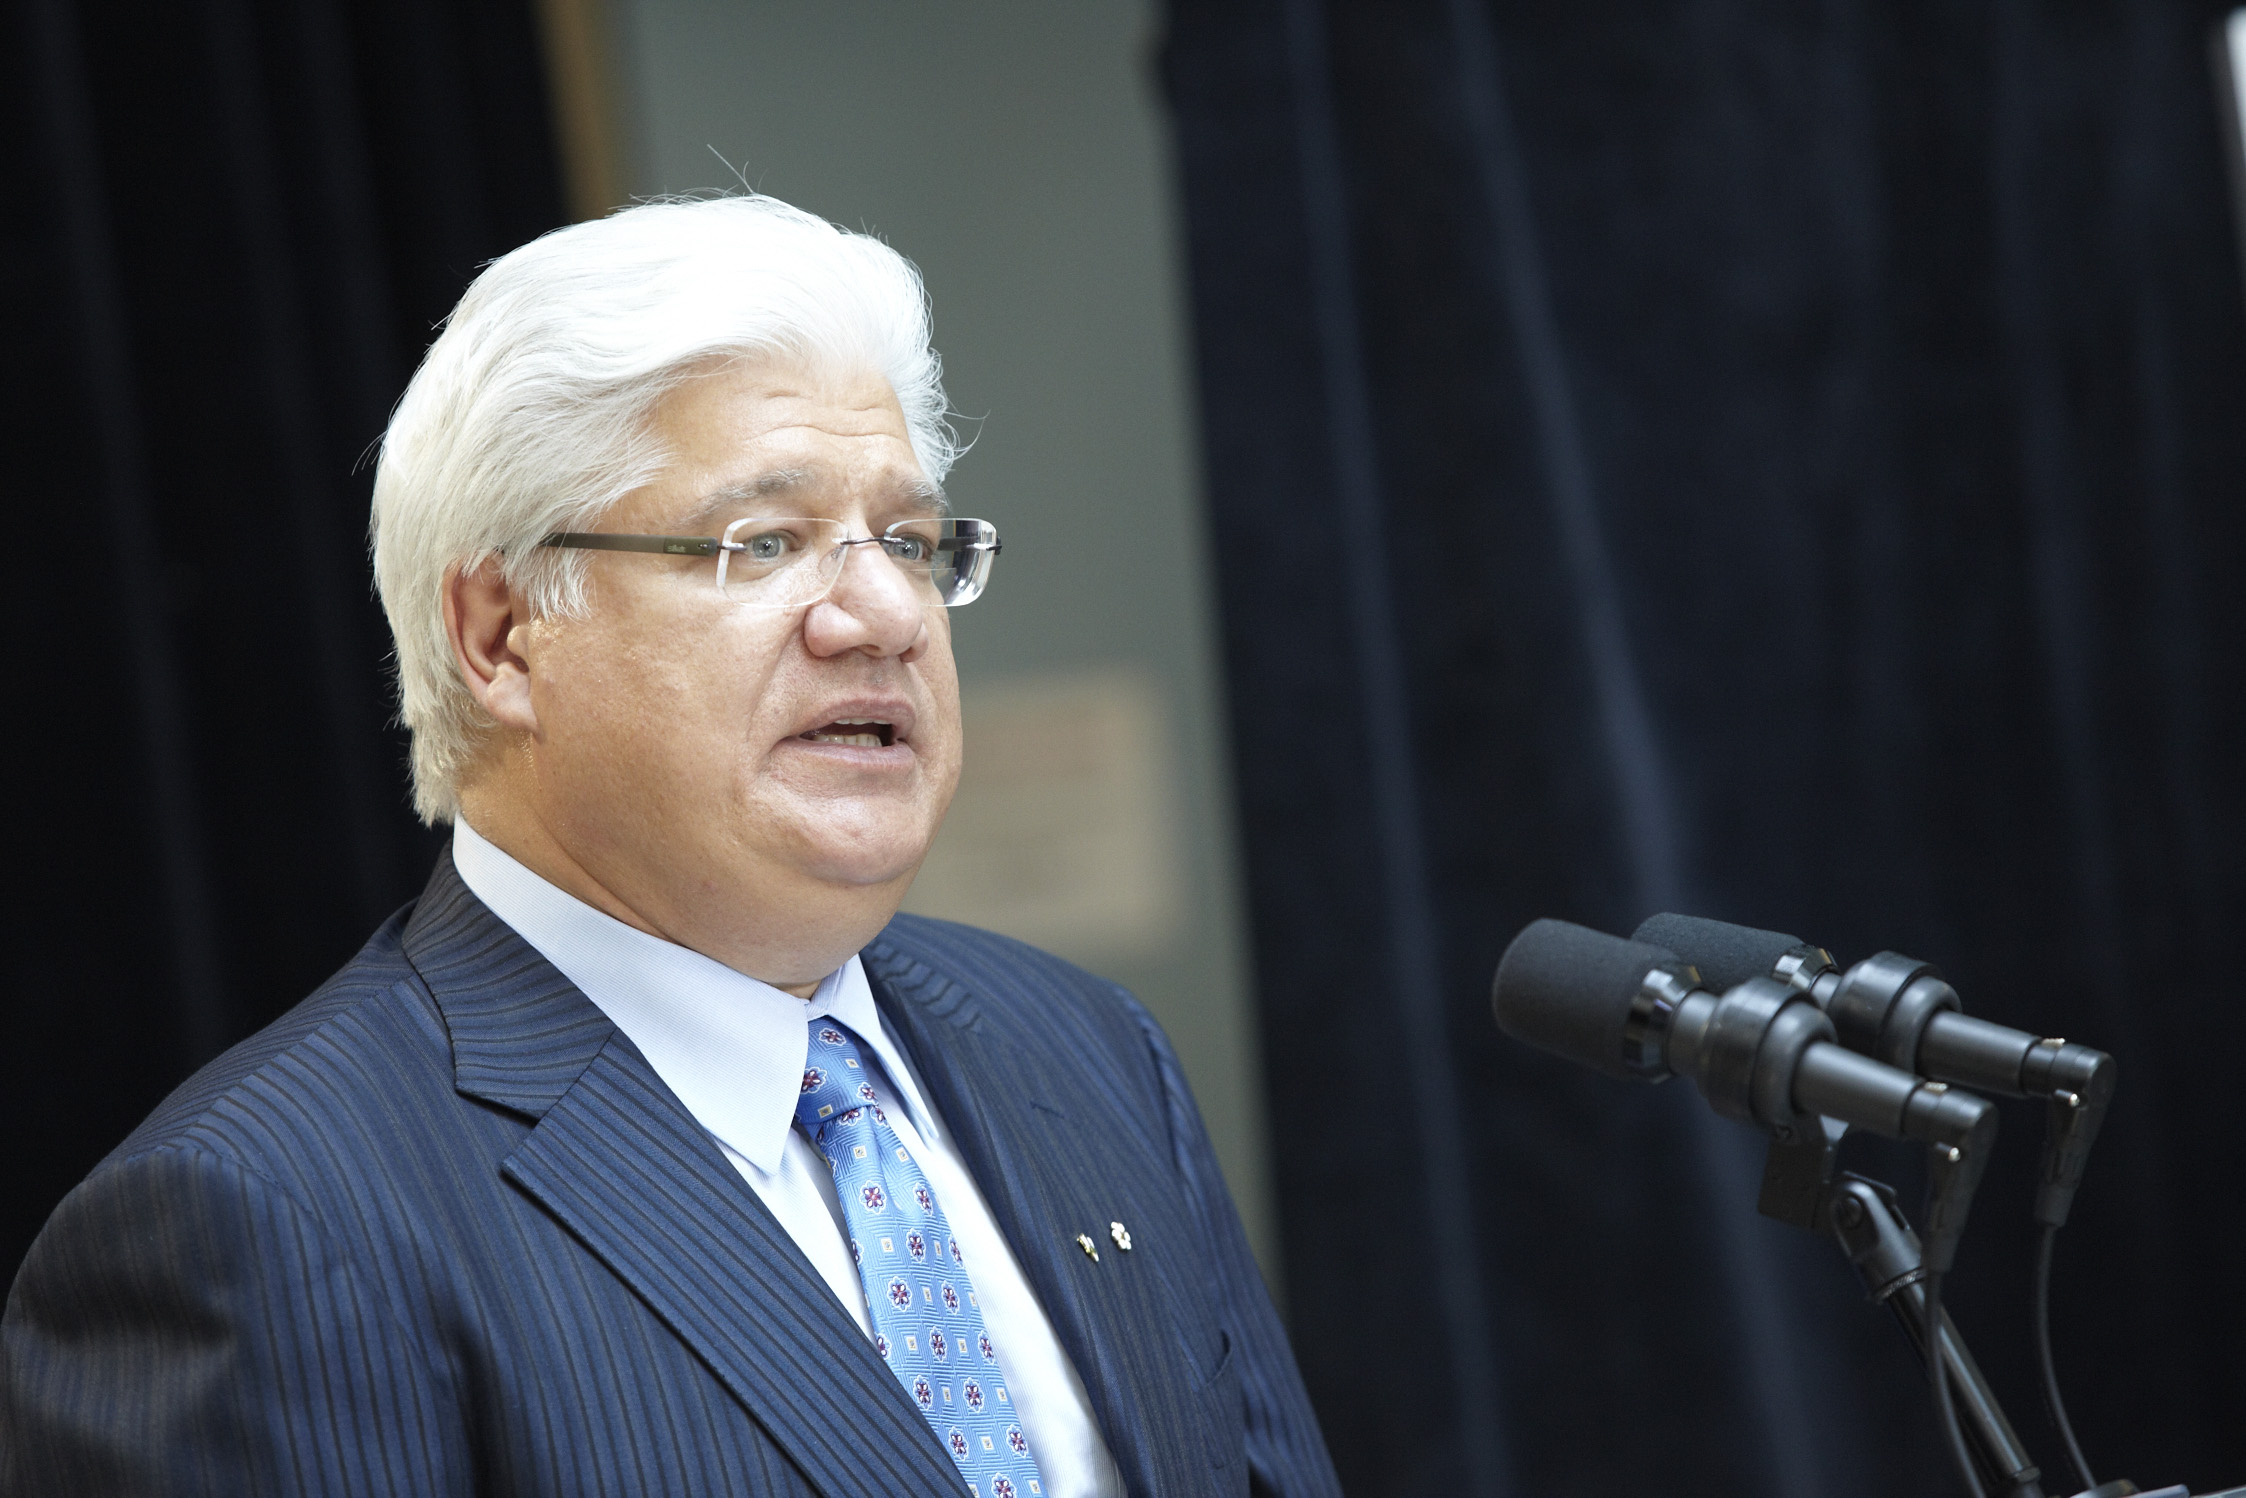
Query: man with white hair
x,y
651,1150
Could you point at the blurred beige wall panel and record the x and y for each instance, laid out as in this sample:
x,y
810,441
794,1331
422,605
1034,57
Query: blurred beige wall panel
x,y
580,81
1065,829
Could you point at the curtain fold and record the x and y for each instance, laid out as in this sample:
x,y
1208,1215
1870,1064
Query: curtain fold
x,y
234,226
1780,465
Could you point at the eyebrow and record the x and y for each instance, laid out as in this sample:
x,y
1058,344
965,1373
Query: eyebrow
x,y
917,491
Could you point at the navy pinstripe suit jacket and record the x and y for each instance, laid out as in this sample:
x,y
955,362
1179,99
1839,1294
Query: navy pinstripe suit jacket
x,y
441,1230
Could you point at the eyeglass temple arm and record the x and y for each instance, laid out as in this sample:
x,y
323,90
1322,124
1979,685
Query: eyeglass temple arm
x,y
977,543
676,546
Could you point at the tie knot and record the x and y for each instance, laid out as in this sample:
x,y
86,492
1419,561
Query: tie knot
x,y
835,1083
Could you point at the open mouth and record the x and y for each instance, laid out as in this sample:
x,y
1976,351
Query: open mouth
x,y
855,733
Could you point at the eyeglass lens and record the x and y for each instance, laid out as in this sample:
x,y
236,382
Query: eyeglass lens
x,y
785,561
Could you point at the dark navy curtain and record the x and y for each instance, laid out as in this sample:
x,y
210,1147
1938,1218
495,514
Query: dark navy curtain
x,y
229,230
1784,463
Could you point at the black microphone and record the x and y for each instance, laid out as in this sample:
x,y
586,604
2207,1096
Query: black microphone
x,y
1762,1053
1898,1010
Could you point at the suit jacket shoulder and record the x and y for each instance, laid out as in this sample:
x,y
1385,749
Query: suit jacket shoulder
x,y
1041,1003
366,1029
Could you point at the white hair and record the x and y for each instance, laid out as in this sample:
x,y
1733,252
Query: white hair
x,y
530,413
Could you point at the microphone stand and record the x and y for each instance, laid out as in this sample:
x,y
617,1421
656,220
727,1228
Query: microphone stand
x,y
1864,1218
1803,1186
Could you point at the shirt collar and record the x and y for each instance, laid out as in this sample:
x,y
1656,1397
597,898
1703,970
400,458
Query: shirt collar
x,y
848,997
732,1048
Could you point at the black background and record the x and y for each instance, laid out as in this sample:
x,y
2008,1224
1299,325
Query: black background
x,y
1779,462
1799,452
231,230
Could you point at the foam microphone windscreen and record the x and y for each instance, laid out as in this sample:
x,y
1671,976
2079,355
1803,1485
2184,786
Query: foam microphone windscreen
x,y
1569,989
1726,955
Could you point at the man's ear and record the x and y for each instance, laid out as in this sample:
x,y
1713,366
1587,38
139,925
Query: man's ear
x,y
486,622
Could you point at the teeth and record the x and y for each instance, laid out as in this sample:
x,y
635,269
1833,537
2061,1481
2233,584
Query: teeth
x,y
877,736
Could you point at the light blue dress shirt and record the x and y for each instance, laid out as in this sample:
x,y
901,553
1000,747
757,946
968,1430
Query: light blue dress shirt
x,y
733,1050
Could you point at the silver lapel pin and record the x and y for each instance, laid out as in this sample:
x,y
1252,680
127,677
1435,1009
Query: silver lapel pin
x,y
1121,1235
1091,1249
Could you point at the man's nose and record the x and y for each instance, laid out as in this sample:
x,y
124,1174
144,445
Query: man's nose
x,y
873,606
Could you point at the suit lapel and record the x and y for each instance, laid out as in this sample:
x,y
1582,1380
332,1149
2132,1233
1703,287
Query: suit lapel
x,y
620,1163
1049,1175
624,1167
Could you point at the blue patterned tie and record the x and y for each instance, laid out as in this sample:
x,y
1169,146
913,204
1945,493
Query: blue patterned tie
x,y
927,1323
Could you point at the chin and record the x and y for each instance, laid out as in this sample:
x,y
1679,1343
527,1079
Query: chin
x,y
851,840
859,872
833,855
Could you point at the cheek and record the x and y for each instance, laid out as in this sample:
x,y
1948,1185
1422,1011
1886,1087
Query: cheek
x,y
636,699
941,677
